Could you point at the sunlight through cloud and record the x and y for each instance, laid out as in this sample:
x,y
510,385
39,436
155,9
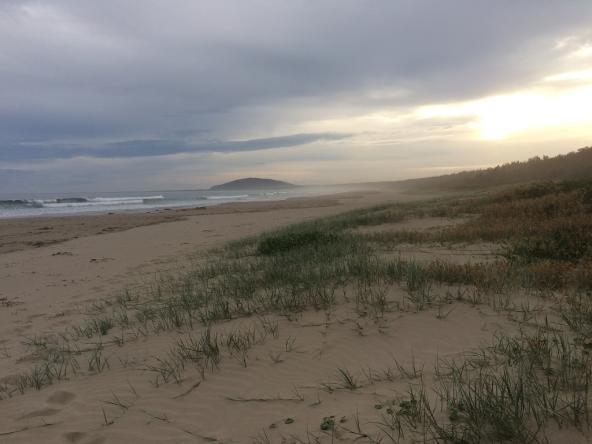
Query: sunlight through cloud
x,y
499,117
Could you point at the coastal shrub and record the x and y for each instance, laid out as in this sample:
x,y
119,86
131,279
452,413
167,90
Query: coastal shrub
x,y
566,239
291,240
377,215
546,221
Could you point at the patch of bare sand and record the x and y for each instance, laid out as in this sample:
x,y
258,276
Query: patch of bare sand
x,y
467,254
413,224
283,390
425,252
21,234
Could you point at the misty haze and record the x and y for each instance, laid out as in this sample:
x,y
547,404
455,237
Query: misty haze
x,y
295,222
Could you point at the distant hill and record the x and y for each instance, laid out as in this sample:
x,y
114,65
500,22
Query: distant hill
x,y
253,183
576,165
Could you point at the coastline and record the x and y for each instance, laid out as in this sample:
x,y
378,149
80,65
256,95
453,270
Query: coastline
x,y
57,204
96,347
49,265
50,288
20,233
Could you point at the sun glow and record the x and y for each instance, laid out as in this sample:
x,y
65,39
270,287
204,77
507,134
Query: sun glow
x,y
502,116
582,75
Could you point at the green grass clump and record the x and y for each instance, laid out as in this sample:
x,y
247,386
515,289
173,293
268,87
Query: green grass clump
x,y
283,242
515,389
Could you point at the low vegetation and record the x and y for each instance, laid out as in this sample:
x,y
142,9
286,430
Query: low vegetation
x,y
576,165
516,390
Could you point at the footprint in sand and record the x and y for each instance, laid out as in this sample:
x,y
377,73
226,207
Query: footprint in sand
x,y
79,436
61,397
74,436
38,413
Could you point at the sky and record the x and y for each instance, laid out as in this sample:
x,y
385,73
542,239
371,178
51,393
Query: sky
x,y
147,95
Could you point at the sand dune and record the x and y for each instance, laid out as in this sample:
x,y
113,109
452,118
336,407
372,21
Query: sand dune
x,y
300,375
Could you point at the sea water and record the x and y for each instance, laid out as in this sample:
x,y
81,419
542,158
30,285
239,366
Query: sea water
x,y
55,204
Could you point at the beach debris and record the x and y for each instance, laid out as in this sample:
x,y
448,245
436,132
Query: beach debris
x,y
328,423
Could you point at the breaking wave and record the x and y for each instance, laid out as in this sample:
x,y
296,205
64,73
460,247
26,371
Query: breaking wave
x,y
65,202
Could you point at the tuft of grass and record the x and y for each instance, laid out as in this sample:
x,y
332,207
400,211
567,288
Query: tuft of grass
x,y
347,380
512,391
287,240
97,362
204,352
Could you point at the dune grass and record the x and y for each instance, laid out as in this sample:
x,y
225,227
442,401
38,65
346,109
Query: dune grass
x,y
511,391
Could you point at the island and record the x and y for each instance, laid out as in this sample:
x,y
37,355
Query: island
x,y
253,183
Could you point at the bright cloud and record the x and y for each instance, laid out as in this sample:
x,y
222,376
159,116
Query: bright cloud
x,y
538,110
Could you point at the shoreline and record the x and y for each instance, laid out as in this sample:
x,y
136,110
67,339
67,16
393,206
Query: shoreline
x,y
97,203
102,335
30,232
55,286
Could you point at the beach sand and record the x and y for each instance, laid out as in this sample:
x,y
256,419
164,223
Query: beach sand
x,y
52,271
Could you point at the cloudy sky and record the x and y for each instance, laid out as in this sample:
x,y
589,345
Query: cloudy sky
x,y
146,94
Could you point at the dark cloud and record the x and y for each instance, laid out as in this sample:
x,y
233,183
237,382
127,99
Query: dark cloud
x,y
76,77
159,147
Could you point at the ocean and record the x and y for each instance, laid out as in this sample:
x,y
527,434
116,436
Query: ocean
x,y
55,204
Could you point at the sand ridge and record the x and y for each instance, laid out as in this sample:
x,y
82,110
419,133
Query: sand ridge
x,y
318,376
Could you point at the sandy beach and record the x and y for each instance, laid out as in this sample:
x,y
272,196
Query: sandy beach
x,y
54,269
323,375
275,222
